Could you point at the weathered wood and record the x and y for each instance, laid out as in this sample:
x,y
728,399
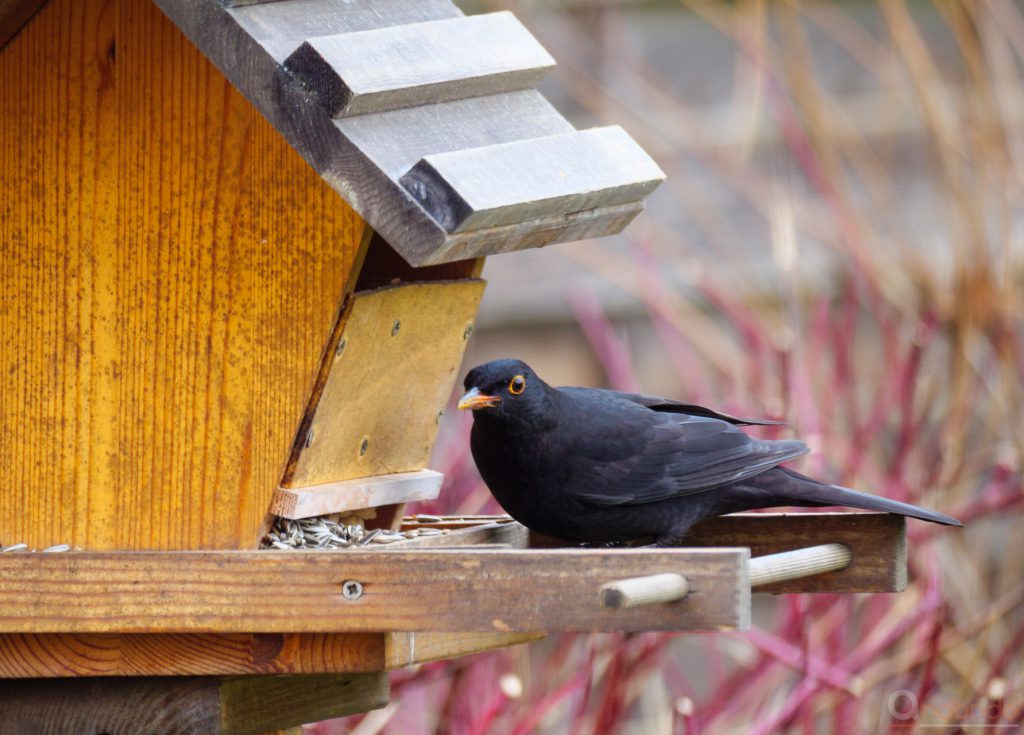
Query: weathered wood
x,y
517,182
172,272
798,563
491,535
181,654
366,492
358,155
877,540
182,705
406,649
420,63
476,591
251,704
389,380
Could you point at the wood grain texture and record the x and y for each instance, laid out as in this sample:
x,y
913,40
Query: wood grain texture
x,y
13,15
183,705
366,492
469,590
251,704
172,273
420,63
390,378
877,540
135,706
526,180
406,649
183,654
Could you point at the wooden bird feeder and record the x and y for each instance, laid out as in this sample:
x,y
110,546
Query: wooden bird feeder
x,y
242,243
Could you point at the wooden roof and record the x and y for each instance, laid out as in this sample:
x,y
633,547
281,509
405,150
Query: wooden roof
x,y
423,119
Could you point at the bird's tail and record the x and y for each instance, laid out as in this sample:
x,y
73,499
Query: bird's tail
x,y
802,490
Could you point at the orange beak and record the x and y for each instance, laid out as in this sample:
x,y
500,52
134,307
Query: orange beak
x,y
474,399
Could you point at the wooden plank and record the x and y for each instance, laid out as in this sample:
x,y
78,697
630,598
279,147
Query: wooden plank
x,y
193,705
877,540
389,381
517,182
364,492
420,63
471,590
165,316
252,704
406,649
184,654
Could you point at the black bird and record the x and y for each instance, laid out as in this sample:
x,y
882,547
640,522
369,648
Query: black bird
x,y
600,466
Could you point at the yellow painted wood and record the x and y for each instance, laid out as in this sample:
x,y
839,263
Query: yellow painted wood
x,y
391,376
172,272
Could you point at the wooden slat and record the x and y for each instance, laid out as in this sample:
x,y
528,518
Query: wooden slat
x,y
184,654
364,492
165,316
420,63
406,649
254,704
208,705
877,540
477,591
359,155
55,655
389,379
517,182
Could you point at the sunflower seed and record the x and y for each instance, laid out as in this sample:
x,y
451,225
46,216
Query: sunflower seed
x,y
430,531
424,518
57,548
16,547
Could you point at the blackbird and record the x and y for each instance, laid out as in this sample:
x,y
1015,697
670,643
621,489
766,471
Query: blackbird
x,y
599,466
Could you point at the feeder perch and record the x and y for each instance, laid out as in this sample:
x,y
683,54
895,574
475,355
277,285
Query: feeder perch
x,y
242,248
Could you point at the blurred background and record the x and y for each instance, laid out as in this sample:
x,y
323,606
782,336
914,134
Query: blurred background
x,y
840,243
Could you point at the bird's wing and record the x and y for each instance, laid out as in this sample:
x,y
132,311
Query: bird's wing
x,y
667,405
629,457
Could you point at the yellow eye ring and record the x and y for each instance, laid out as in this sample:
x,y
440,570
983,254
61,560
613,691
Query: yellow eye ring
x,y
517,385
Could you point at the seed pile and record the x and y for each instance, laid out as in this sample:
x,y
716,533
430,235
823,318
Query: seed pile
x,y
322,533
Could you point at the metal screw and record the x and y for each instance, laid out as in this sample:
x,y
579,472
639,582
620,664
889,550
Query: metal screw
x,y
364,446
309,438
395,327
340,348
469,331
351,589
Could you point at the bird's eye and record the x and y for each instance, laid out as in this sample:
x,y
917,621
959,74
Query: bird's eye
x,y
517,385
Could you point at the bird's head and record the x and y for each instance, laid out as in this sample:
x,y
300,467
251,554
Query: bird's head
x,y
507,389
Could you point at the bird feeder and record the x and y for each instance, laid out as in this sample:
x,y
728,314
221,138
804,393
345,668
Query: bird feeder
x,y
242,245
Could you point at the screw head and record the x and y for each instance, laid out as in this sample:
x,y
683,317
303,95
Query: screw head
x,y
351,589
395,327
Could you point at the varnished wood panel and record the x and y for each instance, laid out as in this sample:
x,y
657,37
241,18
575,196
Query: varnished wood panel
x,y
172,272
180,654
441,590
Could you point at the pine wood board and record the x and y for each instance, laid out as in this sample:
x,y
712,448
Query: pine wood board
x,y
439,590
173,270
